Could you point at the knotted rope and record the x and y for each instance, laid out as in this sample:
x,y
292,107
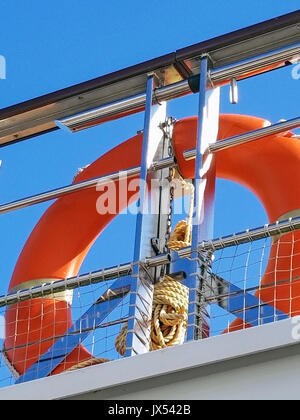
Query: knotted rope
x,y
182,235
169,316
169,313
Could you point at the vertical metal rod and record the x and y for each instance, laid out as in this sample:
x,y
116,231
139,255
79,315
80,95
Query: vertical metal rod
x,y
193,279
143,172
141,296
199,160
208,116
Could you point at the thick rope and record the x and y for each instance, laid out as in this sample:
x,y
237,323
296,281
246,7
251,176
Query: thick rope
x,y
169,313
170,300
182,235
169,316
86,363
120,342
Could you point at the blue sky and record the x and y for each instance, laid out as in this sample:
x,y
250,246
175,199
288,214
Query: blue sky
x,y
54,44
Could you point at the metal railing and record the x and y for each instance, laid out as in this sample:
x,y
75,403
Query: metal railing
x,y
106,274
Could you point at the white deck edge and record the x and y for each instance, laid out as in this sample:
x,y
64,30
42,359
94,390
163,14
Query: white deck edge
x,y
161,362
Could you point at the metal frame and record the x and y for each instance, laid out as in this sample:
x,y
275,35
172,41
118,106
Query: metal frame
x,y
204,184
232,299
147,226
204,181
260,48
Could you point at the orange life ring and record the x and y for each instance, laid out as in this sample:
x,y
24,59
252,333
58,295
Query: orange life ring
x,y
62,238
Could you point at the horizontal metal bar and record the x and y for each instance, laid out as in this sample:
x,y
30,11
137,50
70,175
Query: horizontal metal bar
x,y
111,323
133,103
119,108
255,135
246,137
268,230
164,163
90,183
80,121
99,276
258,64
52,194
249,235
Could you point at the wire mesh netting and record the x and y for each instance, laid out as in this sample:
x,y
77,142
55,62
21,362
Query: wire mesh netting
x,y
254,283
242,266
248,280
46,335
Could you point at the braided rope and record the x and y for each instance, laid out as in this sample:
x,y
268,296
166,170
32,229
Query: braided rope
x,y
182,235
180,238
89,362
120,342
169,316
169,313
170,300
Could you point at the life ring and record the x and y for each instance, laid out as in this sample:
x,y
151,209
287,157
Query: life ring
x,y
62,238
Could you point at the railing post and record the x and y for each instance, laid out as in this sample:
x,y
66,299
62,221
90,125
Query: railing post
x,y
203,217
141,295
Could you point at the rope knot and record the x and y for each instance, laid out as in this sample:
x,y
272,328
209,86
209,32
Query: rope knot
x,y
169,313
